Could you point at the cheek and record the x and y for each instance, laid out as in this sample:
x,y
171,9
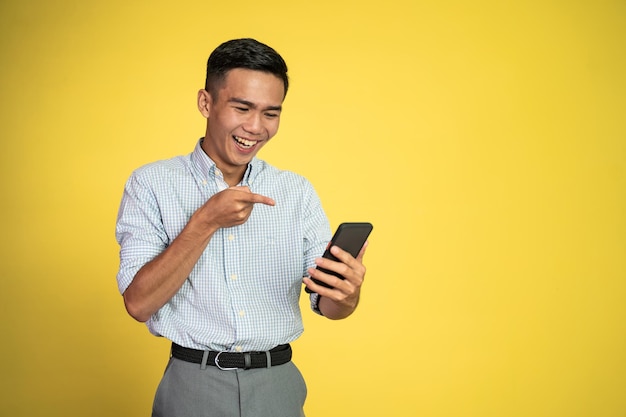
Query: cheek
x,y
273,127
226,124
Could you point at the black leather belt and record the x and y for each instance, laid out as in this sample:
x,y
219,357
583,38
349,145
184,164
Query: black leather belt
x,y
231,360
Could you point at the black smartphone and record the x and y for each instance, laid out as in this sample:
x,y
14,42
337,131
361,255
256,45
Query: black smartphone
x,y
350,237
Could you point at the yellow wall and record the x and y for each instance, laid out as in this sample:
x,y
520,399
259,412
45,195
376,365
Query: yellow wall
x,y
486,141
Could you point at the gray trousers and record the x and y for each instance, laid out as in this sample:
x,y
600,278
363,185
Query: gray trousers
x,y
186,390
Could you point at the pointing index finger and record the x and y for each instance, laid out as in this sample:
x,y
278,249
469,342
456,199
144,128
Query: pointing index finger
x,y
252,197
258,198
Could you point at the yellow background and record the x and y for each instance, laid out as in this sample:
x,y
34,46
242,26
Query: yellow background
x,y
485,140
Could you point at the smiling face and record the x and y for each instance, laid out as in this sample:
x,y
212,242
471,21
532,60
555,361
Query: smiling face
x,y
242,118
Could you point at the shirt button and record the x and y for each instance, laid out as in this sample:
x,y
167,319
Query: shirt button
x,y
238,348
233,277
231,237
242,313
204,182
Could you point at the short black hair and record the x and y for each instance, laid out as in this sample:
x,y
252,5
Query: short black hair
x,y
244,53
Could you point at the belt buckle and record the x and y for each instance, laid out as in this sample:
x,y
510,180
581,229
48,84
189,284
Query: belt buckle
x,y
217,363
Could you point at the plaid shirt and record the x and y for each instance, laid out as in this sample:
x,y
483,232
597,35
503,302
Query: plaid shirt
x,y
243,293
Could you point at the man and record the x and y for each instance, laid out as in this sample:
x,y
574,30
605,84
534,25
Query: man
x,y
215,247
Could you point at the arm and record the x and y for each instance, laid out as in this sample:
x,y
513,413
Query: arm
x,y
340,301
158,280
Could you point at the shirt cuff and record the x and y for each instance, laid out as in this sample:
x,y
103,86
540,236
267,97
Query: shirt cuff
x,y
315,303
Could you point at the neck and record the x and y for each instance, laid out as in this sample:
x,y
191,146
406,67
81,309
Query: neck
x,y
233,178
232,174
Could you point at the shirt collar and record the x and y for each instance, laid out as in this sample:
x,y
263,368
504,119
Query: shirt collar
x,y
207,167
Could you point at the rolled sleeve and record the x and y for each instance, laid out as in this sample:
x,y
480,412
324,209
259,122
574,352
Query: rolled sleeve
x,y
139,230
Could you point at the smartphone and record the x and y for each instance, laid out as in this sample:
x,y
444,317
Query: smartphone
x,y
350,237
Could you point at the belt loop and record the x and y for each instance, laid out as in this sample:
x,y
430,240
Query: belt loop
x,y
268,355
247,360
205,358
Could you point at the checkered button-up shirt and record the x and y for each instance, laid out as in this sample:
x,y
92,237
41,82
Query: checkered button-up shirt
x,y
243,293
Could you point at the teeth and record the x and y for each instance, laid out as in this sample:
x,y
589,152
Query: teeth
x,y
244,142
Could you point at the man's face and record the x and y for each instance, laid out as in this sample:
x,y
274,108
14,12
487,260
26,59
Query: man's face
x,y
242,118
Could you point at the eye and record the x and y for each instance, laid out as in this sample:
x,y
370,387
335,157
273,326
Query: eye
x,y
241,109
272,115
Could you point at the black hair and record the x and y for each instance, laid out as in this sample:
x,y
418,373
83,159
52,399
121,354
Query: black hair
x,y
244,53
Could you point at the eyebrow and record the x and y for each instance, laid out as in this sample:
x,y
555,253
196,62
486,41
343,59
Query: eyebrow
x,y
252,105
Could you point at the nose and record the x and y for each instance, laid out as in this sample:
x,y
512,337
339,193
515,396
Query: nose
x,y
254,124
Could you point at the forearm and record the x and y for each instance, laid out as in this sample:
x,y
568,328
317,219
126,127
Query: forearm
x,y
160,279
336,310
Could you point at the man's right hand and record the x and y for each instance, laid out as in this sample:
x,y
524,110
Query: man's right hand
x,y
230,207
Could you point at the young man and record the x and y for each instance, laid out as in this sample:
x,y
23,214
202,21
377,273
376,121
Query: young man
x,y
215,247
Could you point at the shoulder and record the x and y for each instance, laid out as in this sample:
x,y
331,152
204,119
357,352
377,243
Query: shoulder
x,y
163,168
161,177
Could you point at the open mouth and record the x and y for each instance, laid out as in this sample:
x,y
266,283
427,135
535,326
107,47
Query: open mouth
x,y
244,143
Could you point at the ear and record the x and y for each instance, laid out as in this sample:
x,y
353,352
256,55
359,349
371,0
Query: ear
x,y
204,103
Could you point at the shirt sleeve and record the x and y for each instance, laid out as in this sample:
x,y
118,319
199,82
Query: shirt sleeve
x,y
139,229
317,236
